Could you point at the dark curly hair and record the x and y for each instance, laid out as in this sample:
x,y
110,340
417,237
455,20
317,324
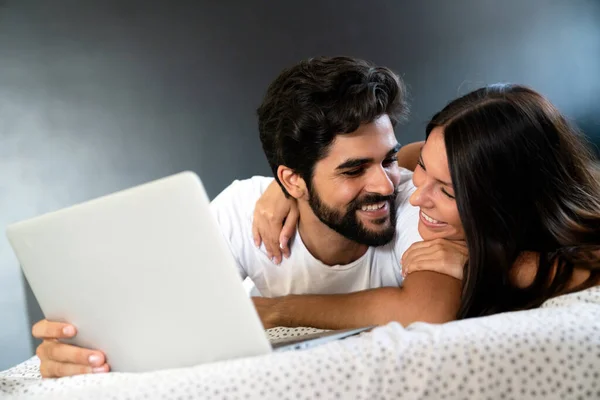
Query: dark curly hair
x,y
307,105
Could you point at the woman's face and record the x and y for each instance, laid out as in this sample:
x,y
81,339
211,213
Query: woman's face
x,y
438,216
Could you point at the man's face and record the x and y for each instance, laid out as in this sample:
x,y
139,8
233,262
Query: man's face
x,y
353,189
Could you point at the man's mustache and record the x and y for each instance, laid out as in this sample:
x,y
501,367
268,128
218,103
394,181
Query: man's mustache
x,y
371,198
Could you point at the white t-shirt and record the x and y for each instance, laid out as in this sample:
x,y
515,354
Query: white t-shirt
x,y
302,273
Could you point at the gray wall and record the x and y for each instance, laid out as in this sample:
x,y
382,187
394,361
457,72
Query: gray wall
x,y
98,96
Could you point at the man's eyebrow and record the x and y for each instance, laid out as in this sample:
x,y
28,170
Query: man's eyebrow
x,y
354,162
357,162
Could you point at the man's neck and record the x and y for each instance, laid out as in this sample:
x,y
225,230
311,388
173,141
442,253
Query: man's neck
x,y
325,244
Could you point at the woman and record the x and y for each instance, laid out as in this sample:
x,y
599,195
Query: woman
x,y
503,171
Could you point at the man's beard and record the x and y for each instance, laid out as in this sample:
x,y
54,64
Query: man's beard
x,y
348,224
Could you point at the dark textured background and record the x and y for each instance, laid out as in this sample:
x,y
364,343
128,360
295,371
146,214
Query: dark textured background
x,y
96,96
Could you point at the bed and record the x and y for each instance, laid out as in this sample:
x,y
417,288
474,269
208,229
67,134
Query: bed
x,y
548,353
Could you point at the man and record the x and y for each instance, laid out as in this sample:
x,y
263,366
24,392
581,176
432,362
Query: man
x,y
327,129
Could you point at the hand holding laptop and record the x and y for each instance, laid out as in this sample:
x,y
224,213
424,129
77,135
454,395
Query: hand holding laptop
x,y
60,359
155,246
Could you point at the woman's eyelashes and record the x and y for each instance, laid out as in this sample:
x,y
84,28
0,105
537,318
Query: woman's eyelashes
x,y
422,165
447,194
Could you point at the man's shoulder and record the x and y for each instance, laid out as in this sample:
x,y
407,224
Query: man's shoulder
x,y
405,188
234,206
241,194
405,211
407,217
233,210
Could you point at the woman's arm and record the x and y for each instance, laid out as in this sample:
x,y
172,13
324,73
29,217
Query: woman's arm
x,y
425,296
408,156
274,222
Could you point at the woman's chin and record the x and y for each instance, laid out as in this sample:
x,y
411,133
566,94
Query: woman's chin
x,y
430,234
449,233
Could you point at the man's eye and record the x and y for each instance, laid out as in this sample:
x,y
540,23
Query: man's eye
x,y
353,172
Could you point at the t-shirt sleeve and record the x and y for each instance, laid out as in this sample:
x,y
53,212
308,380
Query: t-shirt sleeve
x,y
233,209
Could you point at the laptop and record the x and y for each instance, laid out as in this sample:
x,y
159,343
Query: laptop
x,y
145,276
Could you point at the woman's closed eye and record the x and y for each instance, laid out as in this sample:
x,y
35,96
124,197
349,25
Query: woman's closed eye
x,y
447,194
443,190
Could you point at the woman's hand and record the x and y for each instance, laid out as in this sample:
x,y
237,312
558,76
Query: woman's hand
x,y
274,222
447,257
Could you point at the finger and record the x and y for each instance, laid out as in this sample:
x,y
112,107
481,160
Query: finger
x,y
415,251
422,244
45,329
289,227
283,245
437,246
406,254
277,257
433,264
256,234
422,265
273,251
54,369
66,353
409,259
267,243
414,247
434,242
273,244
458,244
277,252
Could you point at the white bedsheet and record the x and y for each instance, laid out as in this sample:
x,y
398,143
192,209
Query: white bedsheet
x,y
549,353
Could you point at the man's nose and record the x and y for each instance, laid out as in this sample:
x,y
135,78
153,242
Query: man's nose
x,y
380,182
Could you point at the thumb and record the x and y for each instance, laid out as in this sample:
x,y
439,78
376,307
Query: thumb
x,y
288,230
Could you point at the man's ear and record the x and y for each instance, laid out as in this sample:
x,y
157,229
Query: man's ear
x,y
293,183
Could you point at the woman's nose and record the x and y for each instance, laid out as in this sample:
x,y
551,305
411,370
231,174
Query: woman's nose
x,y
421,197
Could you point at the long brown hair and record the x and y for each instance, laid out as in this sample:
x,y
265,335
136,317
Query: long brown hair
x,y
524,181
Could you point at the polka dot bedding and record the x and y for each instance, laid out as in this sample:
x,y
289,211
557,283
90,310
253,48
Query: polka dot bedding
x,y
548,353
